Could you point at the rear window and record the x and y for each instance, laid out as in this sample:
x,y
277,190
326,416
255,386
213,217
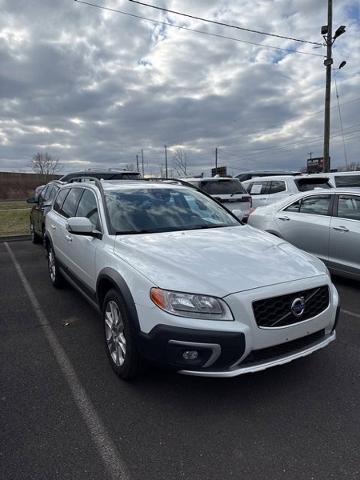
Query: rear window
x,y
306,184
347,180
222,187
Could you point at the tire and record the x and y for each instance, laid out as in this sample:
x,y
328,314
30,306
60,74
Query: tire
x,y
54,273
119,336
35,238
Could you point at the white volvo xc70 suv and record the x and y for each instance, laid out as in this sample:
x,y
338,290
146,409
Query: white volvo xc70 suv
x,y
181,282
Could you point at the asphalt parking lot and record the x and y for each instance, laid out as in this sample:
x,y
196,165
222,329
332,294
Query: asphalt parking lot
x,y
65,415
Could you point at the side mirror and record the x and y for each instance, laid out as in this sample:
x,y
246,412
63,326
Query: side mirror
x,y
239,214
82,226
32,200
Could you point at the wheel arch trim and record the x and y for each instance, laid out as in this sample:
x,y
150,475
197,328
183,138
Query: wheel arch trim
x,y
113,277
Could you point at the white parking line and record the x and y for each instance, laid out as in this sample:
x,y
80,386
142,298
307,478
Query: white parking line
x,y
113,462
351,314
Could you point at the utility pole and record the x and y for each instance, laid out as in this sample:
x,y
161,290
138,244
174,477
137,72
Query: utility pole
x,y
137,163
310,155
216,158
166,163
326,31
328,64
142,162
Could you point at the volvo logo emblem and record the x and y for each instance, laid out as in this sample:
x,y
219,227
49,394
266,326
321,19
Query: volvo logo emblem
x,y
298,306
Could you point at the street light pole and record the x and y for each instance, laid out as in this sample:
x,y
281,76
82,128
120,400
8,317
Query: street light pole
x,y
142,163
166,163
328,64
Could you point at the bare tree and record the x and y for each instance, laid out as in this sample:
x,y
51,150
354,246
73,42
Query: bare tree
x,y
180,161
45,164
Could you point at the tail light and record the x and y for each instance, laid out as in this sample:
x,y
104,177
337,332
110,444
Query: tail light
x,y
246,199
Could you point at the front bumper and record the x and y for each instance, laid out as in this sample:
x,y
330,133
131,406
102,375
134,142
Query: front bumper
x,y
259,366
229,349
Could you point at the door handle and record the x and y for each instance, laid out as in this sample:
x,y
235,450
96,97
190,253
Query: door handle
x,y
68,238
53,226
341,228
284,219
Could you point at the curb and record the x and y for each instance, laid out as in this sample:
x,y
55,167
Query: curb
x,y
15,238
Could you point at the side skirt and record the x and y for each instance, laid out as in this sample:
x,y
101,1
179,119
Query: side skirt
x,y
81,288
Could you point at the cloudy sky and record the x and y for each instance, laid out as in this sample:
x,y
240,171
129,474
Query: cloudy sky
x,y
94,87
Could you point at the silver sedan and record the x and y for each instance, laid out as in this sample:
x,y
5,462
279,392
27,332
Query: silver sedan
x,y
326,224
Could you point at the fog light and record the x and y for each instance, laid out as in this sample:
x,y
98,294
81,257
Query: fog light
x,y
190,354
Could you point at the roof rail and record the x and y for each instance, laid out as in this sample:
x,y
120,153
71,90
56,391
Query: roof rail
x,y
87,179
171,181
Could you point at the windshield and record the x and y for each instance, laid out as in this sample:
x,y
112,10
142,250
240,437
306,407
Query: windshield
x,y
306,184
222,187
151,210
347,180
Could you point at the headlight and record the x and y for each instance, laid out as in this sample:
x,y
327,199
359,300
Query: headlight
x,y
191,305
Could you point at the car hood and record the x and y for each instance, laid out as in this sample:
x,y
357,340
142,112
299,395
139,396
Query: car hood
x,y
216,261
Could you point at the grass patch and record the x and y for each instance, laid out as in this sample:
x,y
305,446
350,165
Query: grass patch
x,y
13,205
14,219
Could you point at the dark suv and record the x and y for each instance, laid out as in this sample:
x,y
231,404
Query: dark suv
x,y
110,174
42,203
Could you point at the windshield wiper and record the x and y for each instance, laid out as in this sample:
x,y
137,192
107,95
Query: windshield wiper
x,y
202,227
170,229
133,232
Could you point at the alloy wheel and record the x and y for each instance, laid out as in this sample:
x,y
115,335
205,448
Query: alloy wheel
x,y
114,333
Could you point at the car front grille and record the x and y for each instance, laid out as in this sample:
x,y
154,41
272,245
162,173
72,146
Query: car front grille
x,y
270,353
278,311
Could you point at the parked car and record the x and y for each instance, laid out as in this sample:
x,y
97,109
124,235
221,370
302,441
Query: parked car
x,y
326,224
109,174
181,282
243,176
228,191
342,179
268,190
41,202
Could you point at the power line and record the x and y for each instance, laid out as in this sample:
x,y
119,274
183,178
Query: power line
x,y
341,122
247,158
202,32
288,147
237,27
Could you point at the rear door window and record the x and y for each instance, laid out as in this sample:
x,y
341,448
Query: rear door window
x,y
259,188
347,180
277,186
349,207
60,199
70,204
318,205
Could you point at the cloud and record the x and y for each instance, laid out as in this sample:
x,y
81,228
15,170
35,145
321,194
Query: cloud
x,y
94,87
